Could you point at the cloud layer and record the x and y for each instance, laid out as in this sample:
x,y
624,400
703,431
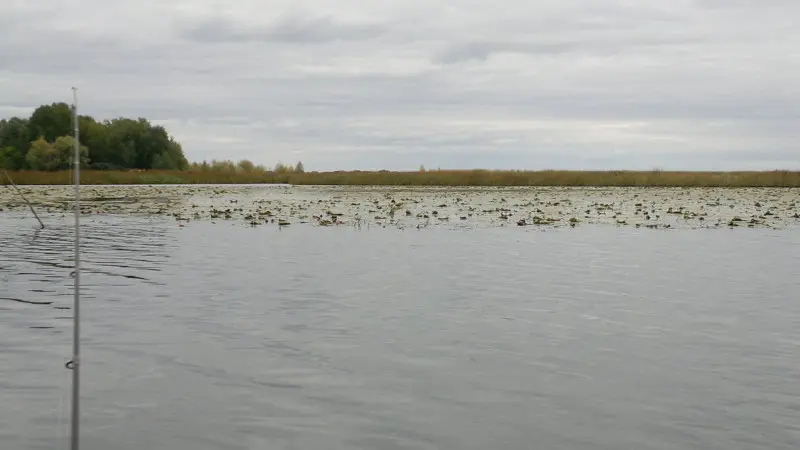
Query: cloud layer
x,y
577,84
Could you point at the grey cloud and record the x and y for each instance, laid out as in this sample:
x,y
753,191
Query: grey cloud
x,y
287,29
596,32
607,45
547,84
744,4
483,50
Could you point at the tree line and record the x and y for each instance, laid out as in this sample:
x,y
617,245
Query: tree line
x,y
45,141
243,166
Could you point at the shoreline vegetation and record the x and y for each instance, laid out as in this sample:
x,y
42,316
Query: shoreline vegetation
x,y
198,174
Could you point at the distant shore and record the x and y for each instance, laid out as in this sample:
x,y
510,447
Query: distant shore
x,y
776,178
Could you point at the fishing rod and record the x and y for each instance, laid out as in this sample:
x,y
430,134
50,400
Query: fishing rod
x,y
74,363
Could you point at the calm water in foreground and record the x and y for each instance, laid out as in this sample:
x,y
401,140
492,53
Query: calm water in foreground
x,y
219,336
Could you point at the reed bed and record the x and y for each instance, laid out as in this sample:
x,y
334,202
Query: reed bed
x,y
620,178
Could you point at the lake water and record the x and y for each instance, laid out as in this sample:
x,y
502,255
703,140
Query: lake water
x,y
219,336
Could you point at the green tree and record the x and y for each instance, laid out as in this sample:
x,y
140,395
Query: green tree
x,y
245,166
138,144
57,155
222,166
152,142
64,148
172,159
123,136
163,161
203,166
95,136
176,155
118,143
51,121
42,156
15,133
11,158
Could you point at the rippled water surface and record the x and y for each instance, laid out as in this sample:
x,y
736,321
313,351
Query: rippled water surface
x,y
215,336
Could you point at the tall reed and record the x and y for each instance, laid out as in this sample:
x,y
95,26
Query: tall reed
x,y
775,178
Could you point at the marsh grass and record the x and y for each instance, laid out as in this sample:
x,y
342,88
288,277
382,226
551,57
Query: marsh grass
x,y
656,178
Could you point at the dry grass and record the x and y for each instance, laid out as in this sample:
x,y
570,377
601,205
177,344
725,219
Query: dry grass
x,y
777,178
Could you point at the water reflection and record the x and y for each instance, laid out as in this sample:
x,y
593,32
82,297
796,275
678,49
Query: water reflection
x,y
36,296
113,252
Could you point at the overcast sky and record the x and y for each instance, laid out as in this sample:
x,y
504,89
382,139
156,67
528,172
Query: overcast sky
x,y
345,84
